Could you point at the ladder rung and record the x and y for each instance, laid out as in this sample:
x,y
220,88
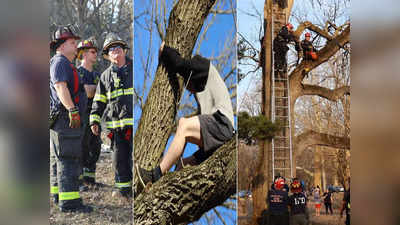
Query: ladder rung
x,y
282,97
277,88
281,137
282,168
281,158
281,147
281,106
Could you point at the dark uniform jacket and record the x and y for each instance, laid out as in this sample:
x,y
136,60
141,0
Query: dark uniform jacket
x,y
278,202
298,203
114,98
283,38
307,48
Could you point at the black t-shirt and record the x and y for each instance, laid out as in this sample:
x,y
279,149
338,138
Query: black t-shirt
x,y
327,197
298,203
278,201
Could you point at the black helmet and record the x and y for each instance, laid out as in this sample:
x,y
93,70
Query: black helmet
x,y
61,35
113,39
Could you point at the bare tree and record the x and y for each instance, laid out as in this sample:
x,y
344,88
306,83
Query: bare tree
x,y
94,18
332,41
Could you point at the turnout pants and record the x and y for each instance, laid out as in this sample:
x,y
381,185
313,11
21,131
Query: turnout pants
x,y
65,156
91,147
122,160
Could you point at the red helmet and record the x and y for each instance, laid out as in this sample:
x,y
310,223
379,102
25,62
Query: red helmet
x,y
289,26
279,183
295,186
308,34
61,34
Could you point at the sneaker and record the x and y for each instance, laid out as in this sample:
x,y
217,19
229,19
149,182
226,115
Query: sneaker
x,y
145,176
79,209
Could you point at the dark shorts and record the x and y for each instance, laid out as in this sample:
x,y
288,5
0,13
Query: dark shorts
x,y
216,130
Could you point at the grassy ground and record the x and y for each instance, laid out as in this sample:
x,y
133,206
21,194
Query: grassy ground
x,y
107,210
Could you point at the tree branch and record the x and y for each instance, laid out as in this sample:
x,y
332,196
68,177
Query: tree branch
x,y
331,47
311,137
185,195
323,92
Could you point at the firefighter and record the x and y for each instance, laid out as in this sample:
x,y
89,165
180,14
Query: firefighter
x,y
67,104
209,130
280,48
277,200
309,52
91,144
114,99
298,204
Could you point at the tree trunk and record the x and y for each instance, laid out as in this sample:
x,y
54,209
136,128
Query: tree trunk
x,y
184,196
158,115
261,180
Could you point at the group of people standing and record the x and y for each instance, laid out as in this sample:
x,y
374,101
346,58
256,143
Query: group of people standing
x,y
285,209
81,100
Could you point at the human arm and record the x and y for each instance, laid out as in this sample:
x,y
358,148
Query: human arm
x,y
98,106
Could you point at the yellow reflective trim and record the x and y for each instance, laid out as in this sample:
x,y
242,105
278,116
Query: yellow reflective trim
x,y
119,92
54,190
68,195
100,98
80,177
119,123
94,118
123,185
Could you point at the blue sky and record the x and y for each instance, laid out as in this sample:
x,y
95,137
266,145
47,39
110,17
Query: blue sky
x,y
223,28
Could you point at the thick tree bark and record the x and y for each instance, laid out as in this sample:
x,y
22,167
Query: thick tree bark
x,y
158,115
184,196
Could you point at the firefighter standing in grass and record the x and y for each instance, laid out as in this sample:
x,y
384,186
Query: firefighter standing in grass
x,y
114,100
67,103
91,144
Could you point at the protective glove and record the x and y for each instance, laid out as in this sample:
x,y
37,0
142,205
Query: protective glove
x,y
74,118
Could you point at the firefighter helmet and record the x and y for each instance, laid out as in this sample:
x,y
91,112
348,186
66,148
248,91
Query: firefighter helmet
x,y
86,44
295,186
113,39
279,183
308,34
289,26
61,35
